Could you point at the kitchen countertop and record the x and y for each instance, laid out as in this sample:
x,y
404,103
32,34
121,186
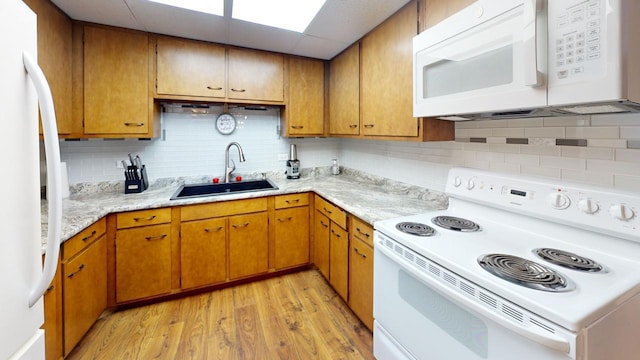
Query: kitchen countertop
x,y
368,197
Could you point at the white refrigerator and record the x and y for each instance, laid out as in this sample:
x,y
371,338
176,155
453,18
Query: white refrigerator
x,y
23,277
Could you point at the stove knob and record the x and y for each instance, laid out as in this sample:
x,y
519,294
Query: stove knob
x,y
457,181
471,184
621,212
588,206
558,201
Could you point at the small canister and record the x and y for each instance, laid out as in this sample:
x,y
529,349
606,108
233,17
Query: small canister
x,y
335,169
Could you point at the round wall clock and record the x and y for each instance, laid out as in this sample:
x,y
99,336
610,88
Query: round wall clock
x,y
226,124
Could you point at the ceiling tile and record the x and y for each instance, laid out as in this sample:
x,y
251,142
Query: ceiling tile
x,y
261,37
314,47
98,11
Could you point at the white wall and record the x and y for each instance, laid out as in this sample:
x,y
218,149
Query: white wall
x,y
192,146
610,157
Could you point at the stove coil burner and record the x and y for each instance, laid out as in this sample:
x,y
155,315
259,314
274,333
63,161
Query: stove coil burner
x,y
568,260
415,228
525,272
455,223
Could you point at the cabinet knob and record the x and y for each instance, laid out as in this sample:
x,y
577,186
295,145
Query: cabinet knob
x,y
214,88
285,219
76,272
130,124
240,225
93,233
355,249
238,90
159,237
369,126
297,126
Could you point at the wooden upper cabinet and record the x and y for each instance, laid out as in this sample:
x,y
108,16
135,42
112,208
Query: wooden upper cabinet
x,y
55,33
304,113
255,75
190,68
116,83
386,62
344,92
434,11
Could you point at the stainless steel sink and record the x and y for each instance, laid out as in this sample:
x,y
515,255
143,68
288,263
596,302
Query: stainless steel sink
x,y
199,190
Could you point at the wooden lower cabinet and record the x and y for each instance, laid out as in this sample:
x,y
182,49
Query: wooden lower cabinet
x,y
321,243
143,262
84,291
291,237
339,260
361,281
203,252
248,245
53,318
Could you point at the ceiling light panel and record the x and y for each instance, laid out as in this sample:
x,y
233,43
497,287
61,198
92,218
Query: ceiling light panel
x,y
294,15
215,7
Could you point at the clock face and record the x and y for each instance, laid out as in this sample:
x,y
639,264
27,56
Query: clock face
x,y
225,124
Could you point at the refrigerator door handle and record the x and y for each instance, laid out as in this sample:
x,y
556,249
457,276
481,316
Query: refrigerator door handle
x,y
54,176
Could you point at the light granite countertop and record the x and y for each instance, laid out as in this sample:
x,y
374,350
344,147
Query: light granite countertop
x,y
368,197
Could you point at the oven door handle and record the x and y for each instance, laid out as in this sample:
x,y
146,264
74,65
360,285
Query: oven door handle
x,y
549,340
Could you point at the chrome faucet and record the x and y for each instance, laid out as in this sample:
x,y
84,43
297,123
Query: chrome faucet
x,y
228,170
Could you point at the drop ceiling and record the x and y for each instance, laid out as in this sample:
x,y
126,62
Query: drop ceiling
x,y
338,24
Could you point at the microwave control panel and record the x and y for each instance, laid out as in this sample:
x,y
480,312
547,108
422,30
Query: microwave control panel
x,y
577,40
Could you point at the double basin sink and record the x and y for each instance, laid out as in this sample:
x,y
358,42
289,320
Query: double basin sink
x,y
200,190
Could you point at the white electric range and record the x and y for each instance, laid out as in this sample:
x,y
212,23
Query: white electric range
x,y
515,266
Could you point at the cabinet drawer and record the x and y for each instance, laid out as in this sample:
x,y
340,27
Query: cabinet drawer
x,y
333,212
361,230
293,200
143,218
223,208
87,236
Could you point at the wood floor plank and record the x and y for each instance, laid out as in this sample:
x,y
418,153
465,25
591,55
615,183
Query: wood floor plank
x,y
295,316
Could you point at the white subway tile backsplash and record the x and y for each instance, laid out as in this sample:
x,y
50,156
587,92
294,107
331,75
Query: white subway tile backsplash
x,y
193,147
545,132
600,132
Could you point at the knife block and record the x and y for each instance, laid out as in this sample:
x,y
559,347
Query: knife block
x,y
137,185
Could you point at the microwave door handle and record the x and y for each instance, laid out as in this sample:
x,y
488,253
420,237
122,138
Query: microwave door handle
x,y
532,76
54,176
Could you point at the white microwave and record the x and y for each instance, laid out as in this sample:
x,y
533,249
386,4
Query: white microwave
x,y
525,58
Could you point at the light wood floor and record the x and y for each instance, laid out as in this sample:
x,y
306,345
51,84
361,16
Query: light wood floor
x,y
296,316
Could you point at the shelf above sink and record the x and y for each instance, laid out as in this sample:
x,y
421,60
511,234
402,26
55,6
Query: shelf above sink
x,y
201,190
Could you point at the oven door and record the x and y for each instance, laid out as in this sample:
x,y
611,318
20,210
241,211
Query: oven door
x,y
489,57
419,317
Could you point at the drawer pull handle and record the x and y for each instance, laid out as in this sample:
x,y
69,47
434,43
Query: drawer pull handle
x,y
145,219
93,233
363,233
130,124
217,229
335,233
295,201
364,256
240,225
323,224
353,126
327,210
285,219
238,90
159,237
297,126
369,126
76,272
51,287
214,88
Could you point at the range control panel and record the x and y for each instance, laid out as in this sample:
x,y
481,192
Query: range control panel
x,y
605,210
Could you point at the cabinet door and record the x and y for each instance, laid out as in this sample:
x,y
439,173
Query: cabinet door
x,y
190,68
143,262
339,260
248,245
53,318
387,76
292,237
255,75
344,92
203,252
305,107
84,291
116,86
361,281
321,243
